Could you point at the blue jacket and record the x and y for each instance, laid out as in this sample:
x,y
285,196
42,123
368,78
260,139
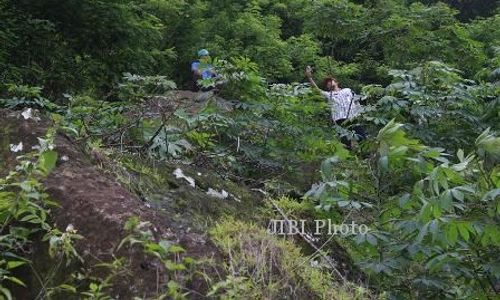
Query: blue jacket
x,y
205,69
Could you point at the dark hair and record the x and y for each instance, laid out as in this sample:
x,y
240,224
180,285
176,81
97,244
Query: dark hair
x,y
328,79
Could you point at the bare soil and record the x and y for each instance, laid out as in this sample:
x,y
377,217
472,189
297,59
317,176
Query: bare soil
x,y
97,206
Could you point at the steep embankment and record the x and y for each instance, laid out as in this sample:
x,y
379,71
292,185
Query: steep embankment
x,y
98,205
99,189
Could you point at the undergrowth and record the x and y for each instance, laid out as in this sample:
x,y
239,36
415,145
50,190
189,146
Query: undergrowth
x,y
262,266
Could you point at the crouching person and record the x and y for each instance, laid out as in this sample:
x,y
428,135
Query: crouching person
x,y
202,69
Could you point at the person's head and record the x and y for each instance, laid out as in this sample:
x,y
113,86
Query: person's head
x,y
331,83
203,54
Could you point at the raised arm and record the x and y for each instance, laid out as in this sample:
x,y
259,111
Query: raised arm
x,y
308,74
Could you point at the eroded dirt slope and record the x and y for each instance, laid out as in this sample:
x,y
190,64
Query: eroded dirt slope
x,y
97,205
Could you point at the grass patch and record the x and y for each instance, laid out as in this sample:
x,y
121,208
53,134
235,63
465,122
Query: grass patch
x,y
262,266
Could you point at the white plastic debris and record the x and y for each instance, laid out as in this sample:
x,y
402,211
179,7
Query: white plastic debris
x,y
16,148
70,227
28,114
179,174
199,174
221,195
64,158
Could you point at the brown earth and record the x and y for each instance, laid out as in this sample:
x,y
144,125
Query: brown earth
x,y
97,206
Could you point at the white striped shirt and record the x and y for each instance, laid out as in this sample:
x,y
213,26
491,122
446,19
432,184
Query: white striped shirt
x,y
342,104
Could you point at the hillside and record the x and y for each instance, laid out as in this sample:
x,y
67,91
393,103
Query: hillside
x,y
290,149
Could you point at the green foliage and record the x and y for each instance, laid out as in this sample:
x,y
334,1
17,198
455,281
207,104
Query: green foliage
x,y
169,254
86,116
425,33
202,139
426,180
239,77
262,266
432,229
433,98
138,87
337,24
77,45
25,212
88,45
20,96
169,143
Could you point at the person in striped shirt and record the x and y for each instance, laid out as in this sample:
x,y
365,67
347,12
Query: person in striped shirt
x,y
344,106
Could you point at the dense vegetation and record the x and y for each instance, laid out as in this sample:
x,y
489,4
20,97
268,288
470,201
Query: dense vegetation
x,y
426,180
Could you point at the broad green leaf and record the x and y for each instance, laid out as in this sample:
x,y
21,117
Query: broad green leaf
x,y
452,233
436,211
464,231
404,199
327,168
457,194
68,287
14,264
383,163
445,201
460,154
48,161
426,212
491,195
176,249
172,266
422,233
15,280
6,293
